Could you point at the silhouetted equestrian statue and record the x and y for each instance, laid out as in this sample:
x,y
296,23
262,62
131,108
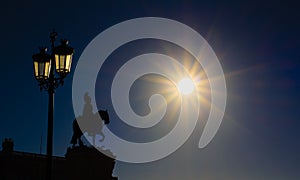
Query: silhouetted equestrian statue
x,y
89,122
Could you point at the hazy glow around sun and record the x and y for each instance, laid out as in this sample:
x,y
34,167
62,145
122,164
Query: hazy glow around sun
x,y
185,86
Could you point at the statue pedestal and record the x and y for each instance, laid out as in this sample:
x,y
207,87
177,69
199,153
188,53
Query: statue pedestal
x,y
88,163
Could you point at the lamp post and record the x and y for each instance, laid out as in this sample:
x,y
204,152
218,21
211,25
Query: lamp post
x,y
50,71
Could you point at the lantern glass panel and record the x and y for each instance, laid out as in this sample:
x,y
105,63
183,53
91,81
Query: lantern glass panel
x,y
61,63
47,69
57,62
41,69
36,69
68,63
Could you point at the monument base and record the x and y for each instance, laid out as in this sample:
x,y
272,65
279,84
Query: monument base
x,y
88,163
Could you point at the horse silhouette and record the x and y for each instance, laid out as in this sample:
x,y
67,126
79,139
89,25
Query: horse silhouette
x,y
91,125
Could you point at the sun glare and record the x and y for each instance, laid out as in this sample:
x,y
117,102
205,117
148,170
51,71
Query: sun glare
x,y
186,86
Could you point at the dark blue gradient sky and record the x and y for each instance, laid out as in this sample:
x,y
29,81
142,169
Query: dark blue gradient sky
x,y
256,42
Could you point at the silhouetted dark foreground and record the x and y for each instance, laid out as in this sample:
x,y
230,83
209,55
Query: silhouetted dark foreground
x,y
80,162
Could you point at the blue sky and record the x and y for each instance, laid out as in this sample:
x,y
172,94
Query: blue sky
x,y
257,44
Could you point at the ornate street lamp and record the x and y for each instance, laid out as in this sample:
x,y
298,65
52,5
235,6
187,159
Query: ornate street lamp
x,y
41,65
44,64
63,58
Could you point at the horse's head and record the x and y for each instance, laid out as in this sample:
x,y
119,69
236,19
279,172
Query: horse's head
x,y
104,115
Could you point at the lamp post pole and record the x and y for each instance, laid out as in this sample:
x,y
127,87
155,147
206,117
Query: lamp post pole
x,y
50,111
50,133
44,71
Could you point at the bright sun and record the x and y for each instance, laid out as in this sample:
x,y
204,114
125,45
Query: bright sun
x,y
185,86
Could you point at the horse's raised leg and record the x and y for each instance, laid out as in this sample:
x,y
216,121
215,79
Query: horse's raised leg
x,y
101,133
